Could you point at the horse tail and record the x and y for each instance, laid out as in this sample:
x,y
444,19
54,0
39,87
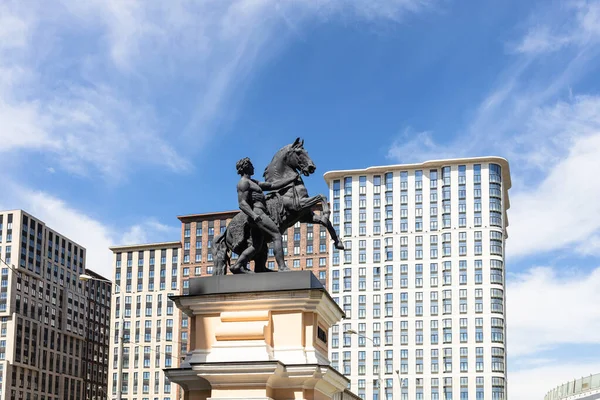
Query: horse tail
x,y
220,254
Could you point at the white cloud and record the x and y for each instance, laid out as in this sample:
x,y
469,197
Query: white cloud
x,y
74,224
86,230
414,146
554,150
540,40
86,137
546,309
86,128
13,29
534,383
590,246
144,232
582,30
550,132
563,209
134,49
544,305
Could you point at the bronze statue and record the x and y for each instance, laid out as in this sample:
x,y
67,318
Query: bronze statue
x,y
252,202
265,218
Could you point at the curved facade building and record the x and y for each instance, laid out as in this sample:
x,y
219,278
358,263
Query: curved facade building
x,y
587,388
421,279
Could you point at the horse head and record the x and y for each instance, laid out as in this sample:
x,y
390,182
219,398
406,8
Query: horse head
x,y
299,159
292,157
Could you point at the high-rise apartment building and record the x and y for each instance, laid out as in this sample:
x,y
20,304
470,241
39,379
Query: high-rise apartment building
x,y
95,359
421,279
43,311
145,322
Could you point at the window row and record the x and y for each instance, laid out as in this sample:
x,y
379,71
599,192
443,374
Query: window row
x,y
436,278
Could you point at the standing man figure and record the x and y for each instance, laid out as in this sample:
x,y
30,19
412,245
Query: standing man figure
x,y
252,202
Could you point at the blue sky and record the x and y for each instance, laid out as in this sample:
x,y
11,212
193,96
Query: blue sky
x,y
116,116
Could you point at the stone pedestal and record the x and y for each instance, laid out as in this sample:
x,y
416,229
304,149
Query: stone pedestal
x,y
261,336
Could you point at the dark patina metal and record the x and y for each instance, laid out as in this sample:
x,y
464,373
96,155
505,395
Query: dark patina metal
x,y
264,218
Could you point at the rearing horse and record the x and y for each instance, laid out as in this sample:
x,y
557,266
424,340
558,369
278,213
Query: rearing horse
x,y
286,206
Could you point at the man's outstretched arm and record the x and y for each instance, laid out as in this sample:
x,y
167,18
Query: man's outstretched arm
x,y
278,184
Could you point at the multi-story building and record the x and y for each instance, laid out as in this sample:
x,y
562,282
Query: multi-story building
x,y
95,359
421,279
305,246
42,311
144,339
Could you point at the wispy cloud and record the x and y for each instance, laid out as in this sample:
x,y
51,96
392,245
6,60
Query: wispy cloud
x,y
148,230
87,230
590,246
557,33
564,142
545,294
414,146
532,81
94,103
86,128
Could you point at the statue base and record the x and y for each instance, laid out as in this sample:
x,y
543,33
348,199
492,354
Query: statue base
x,y
259,336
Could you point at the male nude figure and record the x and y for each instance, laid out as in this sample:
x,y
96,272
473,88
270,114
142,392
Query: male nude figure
x,y
252,202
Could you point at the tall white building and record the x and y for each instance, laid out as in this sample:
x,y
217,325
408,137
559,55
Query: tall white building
x,y
145,323
421,279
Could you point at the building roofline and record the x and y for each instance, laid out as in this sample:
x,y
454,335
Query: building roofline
x,y
14,210
184,218
145,246
17,209
506,181
426,164
97,275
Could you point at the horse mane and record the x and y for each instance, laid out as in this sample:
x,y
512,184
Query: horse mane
x,y
273,170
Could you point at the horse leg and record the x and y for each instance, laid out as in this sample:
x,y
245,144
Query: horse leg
x,y
322,220
310,202
325,216
240,266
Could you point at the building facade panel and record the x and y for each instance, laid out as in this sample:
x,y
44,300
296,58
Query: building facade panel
x,y
96,351
43,311
144,337
421,279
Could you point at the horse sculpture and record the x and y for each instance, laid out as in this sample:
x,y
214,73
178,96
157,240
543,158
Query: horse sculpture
x,y
285,206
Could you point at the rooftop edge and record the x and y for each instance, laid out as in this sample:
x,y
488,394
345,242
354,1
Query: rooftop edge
x,y
145,245
208,214
431,163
